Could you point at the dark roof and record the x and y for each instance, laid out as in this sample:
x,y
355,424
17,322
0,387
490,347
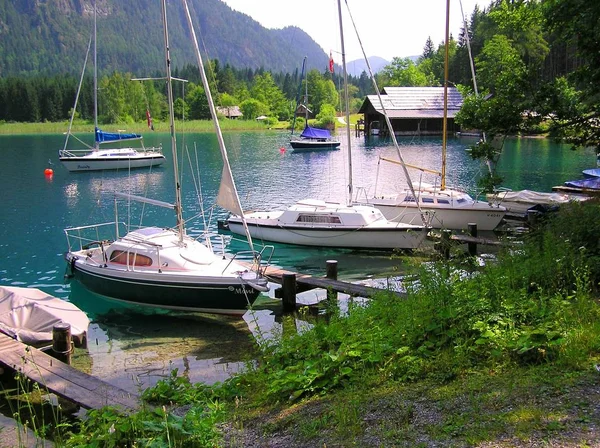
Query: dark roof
x,y
414,102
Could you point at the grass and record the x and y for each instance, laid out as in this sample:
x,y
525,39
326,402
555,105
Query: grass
x,y
499,356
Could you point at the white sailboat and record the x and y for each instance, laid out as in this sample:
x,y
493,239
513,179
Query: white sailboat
x,y
312,222
97,158
164,267
444,207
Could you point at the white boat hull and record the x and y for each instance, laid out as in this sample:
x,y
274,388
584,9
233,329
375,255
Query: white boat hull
x,y
326,224
111,163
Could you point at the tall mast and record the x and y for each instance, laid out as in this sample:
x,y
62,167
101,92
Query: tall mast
x,y
346,105
445,121
178,212
228,196
96,143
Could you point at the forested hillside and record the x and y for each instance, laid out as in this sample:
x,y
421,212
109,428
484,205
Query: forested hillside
x,y
50,37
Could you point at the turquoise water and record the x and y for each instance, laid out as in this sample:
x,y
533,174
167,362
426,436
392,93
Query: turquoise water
x,y
36,209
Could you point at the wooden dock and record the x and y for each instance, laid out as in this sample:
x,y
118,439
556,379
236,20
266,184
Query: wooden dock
x,y
62,379
308,282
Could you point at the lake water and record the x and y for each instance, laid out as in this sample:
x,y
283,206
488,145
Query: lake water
x,y
132,349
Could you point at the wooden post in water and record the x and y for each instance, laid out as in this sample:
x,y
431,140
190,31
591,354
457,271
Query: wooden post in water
x,y
445,243
61,342
473,232
332,274
288,289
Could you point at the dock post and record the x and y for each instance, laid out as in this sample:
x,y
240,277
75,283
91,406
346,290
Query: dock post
x,y
61,342
445,243
473,232
332,274
288,287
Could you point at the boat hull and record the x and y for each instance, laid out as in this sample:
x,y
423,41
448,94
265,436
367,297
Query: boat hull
x,y
104,163
308,145
215,295
487,217
389,238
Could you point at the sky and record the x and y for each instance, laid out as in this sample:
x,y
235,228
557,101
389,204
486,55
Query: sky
x,y
386,28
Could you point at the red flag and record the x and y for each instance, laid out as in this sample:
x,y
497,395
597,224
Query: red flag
x,y
330,62
149,118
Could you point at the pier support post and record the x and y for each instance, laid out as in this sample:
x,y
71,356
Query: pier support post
x,y
332,274
61,342
473,232
445,243
288,297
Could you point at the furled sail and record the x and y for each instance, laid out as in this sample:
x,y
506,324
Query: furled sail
x,y
309,132
105,137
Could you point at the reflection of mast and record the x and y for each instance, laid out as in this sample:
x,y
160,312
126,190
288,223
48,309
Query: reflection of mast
x,y
445,120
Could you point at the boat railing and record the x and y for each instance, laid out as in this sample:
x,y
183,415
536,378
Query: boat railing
x,y
74,152
260,262
84,237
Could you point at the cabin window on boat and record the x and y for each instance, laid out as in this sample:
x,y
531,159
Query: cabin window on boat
x,y
427,200
120,257
320,219
443,201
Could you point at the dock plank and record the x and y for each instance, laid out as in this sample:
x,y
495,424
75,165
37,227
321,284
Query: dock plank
x,y
307,282
65,381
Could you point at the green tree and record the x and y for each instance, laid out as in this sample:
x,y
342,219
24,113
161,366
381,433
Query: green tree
x,y
252,108
403,72
266,91
197,103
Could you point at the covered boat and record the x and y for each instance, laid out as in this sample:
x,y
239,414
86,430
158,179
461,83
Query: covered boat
x,y
314,138
29,315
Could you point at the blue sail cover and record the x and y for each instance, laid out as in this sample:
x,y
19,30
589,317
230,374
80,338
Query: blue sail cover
x,y
104,137
309,132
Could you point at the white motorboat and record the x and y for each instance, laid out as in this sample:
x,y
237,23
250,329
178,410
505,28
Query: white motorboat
x,y
29,316
311,222
94,158
318,223
164,267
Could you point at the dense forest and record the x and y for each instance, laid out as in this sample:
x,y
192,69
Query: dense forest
x,y
50,37
536,65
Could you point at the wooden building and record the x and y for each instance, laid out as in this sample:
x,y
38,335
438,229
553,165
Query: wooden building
x,y
412,110
231,112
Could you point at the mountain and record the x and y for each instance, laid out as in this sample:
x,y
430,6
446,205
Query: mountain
x,y
51,36
355,68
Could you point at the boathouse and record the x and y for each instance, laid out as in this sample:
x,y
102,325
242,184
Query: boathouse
x,y
412,110
231,112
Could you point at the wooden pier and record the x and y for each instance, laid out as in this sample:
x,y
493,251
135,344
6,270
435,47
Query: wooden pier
x,y
62,379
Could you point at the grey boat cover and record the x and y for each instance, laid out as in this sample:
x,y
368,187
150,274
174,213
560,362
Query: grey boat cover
x,y
28,315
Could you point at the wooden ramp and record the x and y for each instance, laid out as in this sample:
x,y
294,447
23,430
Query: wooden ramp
x,y
62,379
308,282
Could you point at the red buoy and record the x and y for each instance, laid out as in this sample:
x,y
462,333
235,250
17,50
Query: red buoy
x,y
48,172
282,150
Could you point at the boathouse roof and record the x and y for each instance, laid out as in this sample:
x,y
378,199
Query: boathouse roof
x,y
414,102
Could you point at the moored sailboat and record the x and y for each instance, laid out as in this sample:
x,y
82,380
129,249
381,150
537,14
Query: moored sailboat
x,y
164,267
97,158
313,222
443,207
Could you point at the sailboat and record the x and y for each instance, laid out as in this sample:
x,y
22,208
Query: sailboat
x,y
310,138
97,158
313,222
164,267
443,207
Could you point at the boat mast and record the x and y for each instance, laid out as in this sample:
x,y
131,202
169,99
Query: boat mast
x,y
178,211
96,143
298,95
346,105
232,201
445,120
